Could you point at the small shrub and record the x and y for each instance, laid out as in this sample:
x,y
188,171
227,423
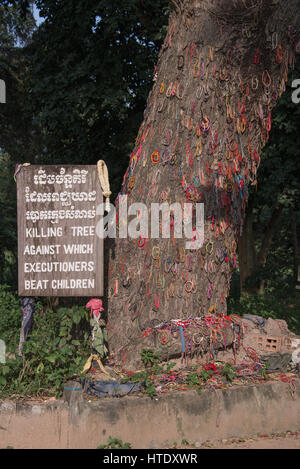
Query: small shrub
x,y
114,443
228,372
56,350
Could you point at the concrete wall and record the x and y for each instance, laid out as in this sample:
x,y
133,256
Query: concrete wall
x,y
146,423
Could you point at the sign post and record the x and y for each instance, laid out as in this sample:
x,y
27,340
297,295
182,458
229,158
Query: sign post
x,y
59,253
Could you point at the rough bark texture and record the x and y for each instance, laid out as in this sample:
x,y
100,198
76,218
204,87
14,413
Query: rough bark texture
x,y
220,71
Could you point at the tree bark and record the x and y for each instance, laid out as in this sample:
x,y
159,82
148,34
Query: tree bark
x,y
220,71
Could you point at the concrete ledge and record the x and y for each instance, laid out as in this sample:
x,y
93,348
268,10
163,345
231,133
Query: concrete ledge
x,y
146,423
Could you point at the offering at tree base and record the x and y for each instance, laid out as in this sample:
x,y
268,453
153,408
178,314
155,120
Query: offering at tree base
x,y
59,251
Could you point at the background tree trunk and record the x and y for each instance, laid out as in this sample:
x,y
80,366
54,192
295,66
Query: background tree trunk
x,y
296,248
249,260
266,244
247,251
220,71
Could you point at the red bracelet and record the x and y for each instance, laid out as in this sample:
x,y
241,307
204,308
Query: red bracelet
x,y
279,55
155,157
141,241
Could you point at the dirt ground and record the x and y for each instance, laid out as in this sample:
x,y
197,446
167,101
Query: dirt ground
x,y
288,440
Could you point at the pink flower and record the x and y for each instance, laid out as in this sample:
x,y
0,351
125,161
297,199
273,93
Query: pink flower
x,y
95,305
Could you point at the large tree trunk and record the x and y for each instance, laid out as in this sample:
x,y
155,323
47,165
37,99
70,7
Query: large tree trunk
x,y
220,71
